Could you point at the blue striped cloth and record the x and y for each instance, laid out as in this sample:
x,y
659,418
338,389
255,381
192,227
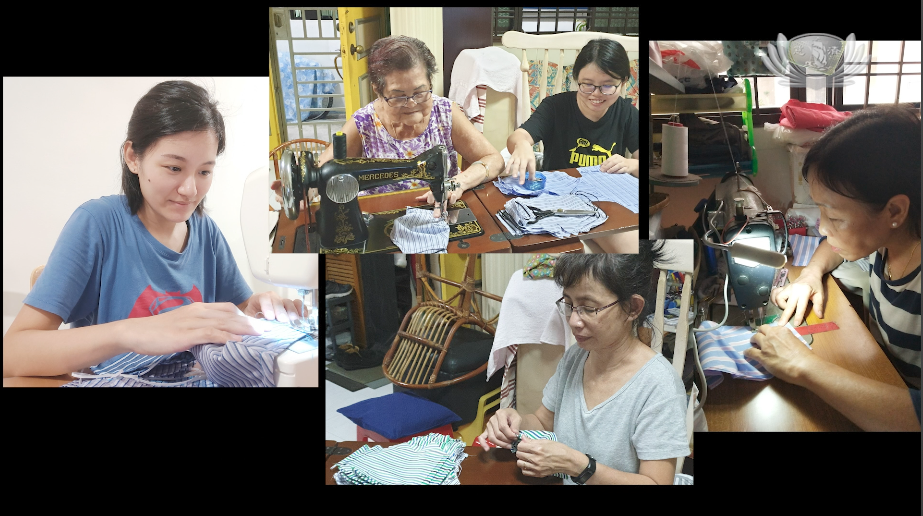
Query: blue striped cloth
x,y
249,363
561,227
419,232
556,183
722,351
433,459
803,248
617,188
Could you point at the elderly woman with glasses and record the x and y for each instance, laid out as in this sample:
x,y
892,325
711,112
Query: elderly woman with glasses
x,y
594,125
615,406
406,118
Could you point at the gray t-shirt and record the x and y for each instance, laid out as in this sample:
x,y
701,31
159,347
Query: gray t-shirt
x,y
644,420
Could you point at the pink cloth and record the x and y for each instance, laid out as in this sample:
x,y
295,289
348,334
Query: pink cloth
x,y
815,117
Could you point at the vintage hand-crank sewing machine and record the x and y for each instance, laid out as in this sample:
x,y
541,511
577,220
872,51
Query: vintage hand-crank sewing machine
x,y
342,226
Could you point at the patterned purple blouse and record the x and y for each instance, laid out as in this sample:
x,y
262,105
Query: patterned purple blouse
x,y
378,143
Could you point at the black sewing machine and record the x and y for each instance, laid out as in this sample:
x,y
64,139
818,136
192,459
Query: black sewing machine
x,y
340,223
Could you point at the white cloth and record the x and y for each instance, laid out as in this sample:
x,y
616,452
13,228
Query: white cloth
x,y
490,66
528,315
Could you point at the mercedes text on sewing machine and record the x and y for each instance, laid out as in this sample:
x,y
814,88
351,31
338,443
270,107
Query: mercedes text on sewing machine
x,y
340,222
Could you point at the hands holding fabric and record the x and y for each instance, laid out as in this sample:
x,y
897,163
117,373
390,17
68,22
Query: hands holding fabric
x,y
273,307
617,164
543,457
780,352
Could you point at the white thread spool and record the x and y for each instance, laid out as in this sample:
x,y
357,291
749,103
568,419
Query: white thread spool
x,y
675,150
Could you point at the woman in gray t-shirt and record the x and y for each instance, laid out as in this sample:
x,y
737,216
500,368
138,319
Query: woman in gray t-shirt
x,y
616,407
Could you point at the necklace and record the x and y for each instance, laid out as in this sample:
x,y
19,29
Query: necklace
x,y
394,129
905,266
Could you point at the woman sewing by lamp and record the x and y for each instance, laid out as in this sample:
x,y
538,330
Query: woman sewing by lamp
x,y
615,406
594,125
406,119
864,174
146,275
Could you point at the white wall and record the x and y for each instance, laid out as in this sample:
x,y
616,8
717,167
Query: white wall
x,y
61,141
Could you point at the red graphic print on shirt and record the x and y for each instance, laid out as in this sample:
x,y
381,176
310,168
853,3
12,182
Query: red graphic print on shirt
x,y
151,302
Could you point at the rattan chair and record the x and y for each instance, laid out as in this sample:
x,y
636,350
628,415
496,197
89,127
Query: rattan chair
x,y
432,327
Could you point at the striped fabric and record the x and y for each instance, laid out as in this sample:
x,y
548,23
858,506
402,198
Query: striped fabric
x,y
617,188
433,459
536,434
722,351
803,248
561,227
249,363
556,183
178,371
478,120
419,232
894,310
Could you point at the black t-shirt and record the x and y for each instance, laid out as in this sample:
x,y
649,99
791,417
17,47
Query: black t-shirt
x,y
572,140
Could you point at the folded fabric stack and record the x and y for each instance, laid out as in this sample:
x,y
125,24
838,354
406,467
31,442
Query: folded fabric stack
x,y
433,459
559,226
722,351
419,232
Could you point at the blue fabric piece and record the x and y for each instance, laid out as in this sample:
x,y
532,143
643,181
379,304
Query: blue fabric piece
x,y
432,459
722,351
250,362
106,266
288,86
398,415
419,232
559,226
803,248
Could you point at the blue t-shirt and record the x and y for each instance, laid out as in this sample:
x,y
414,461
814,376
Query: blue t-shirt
x,y
106,266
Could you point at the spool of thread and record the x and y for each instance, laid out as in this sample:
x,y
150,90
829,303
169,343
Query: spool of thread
x,y
339,145
675,150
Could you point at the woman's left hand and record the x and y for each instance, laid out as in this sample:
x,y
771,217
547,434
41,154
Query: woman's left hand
x,y
543,457
618,164
780,352
274,308
453,197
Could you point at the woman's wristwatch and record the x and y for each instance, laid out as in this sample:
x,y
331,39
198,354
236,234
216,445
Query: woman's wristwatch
x,y
587,473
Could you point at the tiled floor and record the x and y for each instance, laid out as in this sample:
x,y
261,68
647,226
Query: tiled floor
x,y
338,428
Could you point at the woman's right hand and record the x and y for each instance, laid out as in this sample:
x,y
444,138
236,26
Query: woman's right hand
x,y
794,297
502,429
198,323
522,162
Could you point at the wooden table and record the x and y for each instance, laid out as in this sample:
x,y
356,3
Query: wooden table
x,y
620,219
774,405
397,200
494,467
37,381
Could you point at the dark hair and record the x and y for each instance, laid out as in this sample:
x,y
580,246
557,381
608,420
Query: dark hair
x,y
622,274
398,53
872,156
609,55
168,108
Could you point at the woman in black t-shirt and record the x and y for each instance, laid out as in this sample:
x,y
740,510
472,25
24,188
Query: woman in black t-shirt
x,y
591,126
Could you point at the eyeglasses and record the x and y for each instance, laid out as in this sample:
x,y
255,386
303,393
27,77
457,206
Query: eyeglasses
x,y
587,313
419,98
607,89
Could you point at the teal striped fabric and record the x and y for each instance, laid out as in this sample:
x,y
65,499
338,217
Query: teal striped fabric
x,y
433,459
536,434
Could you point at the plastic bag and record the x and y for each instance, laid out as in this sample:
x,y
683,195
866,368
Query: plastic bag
x,y
691,62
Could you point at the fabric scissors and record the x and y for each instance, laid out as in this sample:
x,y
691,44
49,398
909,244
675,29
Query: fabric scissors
x,y
560,212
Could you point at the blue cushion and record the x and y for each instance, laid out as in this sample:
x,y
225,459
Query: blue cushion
x,y
398,415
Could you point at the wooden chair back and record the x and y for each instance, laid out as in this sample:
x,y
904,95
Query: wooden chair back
x,y
427,331
301,144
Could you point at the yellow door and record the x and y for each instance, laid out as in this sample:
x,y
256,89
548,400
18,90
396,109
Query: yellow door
x,y
360,27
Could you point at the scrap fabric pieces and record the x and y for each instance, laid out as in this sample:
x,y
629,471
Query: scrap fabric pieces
x,y
433,459
419,232
722,351
559,226
535,434
594,185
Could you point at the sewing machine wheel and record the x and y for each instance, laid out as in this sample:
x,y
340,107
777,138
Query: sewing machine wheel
x,y
290,174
